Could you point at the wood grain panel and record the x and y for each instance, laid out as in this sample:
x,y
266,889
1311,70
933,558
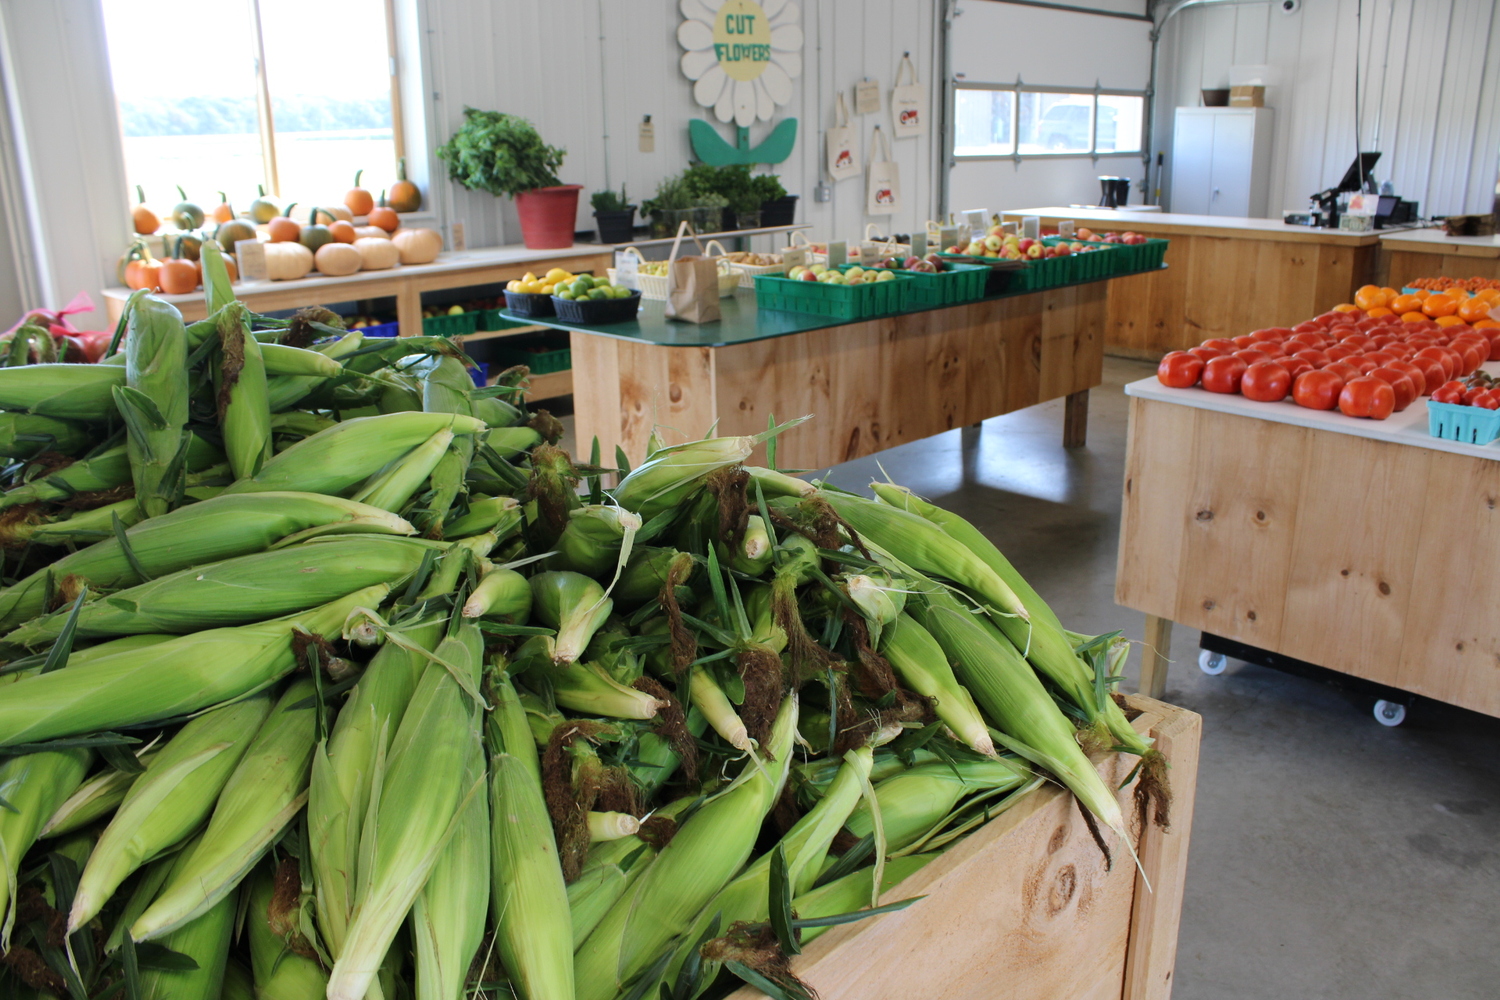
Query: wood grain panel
x,y
1159,479
1404,265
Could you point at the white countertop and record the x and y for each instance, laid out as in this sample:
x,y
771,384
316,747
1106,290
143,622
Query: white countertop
x,y
1167,223
1407,427
1437,241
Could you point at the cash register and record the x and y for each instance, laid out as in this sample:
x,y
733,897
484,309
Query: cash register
x,y
1323,208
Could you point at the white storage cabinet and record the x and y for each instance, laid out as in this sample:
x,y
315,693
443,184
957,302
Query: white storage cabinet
x,y
1221,161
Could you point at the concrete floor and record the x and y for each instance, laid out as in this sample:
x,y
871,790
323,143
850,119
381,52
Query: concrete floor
x,y
1332,858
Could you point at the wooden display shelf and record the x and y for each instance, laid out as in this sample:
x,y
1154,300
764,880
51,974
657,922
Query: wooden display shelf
x,y
1432,253
551,385
1026,907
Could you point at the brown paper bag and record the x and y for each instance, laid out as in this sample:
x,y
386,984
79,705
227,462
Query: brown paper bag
x,y
692,283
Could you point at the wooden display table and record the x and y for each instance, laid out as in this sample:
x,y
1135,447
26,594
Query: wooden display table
x,y
1366,547
870,385
462,269
1431,253
1227,277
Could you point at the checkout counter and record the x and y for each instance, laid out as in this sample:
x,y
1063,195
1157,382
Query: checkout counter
x,y
1224,277
1431,253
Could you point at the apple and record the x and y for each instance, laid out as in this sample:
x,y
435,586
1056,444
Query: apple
x,y
886,276
1085,234
936,262
1035,250
819,269
992,242
796,272
975,248
807,275
1025,245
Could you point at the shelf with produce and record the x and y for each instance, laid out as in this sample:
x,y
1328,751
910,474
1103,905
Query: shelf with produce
x,y
705,237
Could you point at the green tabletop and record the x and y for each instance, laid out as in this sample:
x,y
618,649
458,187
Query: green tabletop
x,y
740,322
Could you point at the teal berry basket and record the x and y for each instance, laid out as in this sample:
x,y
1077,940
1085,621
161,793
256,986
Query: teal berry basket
x,y
1469,424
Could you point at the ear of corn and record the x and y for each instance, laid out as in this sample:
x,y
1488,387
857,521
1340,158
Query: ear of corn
x,y
154,401
588,689
508,726
573,604
753,555
649,569
95,798
500,515
286,391
671,475
591,542
778,484
281,359
22,435
218,290
500,593
170,800
592,894
453,563
708,851
244,406
914,801
920,661
82,528
267,789
167,680
508,442
107,470
709,698
853,891
414,811
34,785
240,591
205,940
279,973
238,984
394,485
70,392
607,826
202,532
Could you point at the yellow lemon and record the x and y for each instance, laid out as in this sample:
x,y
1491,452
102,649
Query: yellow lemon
x,y
513,286
528,277
548,289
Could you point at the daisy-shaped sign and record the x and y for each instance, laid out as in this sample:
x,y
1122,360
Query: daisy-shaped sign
x,y
742,56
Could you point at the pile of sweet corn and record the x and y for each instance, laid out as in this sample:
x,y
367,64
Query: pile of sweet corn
x,y
326,674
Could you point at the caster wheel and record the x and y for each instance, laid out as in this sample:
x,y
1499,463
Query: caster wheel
x,y
1390,713
1212,663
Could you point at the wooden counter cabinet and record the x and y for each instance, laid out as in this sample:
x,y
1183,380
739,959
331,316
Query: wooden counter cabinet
x,y
1431,253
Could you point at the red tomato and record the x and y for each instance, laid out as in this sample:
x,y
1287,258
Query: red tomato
x,y
1275,333
1224,374
1364,364
1180,370
1432,370
1442,356
1343,370
1313,357
1367,397
1384,357
1331,317
1318,390
1303,341
1266,382
1368,324
1400,383
1276,350
1250,355
1471,393
1221,343
1411,371
1495,345
1309,326
1338,352
1242,342
1488,400
1294,366
1357,341
1449,392
1205,353
1473,356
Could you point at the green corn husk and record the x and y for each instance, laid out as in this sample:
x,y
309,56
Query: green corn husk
x,y
499,414
238,985
508,727
204,939
337,460
285,391
208,531
343,773
916,800
299,424
607,826
708,697
279,973
709,849
573,604
448,918
920,661
552,492
33,785
666,479
853,891
169,801
68,392
154,401
649,569
510,442
419,799
445,389
95,798
218,290
243,396
81,528
1013,697
281,359
22,435
267,789
500,515
778,484
167,680
502,593
596,890
533,928
753,555
925,547
392,487
591,542
588,689
240,591
107,470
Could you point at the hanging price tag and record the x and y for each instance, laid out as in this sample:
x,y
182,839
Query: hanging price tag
x,y
794,257
648,136
1067,228
867,97
919,244
456,238
627,270
838,253
250,258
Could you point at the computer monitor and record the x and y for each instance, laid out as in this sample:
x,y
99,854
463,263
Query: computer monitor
x,y
1358,173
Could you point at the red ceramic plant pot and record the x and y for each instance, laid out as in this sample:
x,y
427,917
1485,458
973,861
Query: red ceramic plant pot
x,y
547,216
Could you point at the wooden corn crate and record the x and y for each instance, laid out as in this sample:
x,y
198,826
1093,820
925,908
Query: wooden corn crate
x,y
1025,908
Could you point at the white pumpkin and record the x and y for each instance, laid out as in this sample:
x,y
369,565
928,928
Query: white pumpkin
x,y
376,254
418,246
287,261
338,259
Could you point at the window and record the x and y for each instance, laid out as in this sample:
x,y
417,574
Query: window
x,y
994,120
195,114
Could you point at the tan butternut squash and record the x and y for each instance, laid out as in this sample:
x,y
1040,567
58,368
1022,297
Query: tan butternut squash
x,y
338,259
418,246
371,232
287,261
376,254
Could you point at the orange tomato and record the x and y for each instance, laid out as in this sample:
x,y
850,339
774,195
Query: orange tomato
x,y
1346,307
1422,293
1403,304
1476,308
1369,297
1378,311
1413,317
1440,304
1488,294
1449,321
1487,324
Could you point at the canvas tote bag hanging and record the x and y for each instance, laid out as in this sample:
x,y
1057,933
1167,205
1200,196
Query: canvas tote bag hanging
x,y
883,183
843,157
692,283
908,103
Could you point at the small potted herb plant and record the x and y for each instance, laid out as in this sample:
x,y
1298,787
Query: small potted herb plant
x,y
777,208
614,216
505,155
678,200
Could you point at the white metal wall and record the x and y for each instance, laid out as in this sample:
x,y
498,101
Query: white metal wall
x,y
1430,91
586,71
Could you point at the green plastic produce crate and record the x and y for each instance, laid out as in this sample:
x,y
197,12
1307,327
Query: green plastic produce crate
x,y
539,360
848,302
1132,258
450,326
960,283
490,319
1054,272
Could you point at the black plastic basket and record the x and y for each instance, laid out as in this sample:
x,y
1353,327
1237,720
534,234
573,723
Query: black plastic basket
x,y
529,304
597,310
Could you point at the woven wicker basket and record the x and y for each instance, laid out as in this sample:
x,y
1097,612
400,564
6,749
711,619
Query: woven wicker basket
x,y
653,286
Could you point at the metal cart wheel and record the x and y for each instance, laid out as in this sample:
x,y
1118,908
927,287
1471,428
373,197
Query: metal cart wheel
x,y
1212,663
1390,713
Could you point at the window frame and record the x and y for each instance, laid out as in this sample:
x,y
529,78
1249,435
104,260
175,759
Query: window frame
x,y
1018,88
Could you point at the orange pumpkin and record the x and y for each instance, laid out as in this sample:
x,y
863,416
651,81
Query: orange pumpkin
x,y
144,272
283,229
142,219
341,231
223,211
385,218
357,199
178,277
404,196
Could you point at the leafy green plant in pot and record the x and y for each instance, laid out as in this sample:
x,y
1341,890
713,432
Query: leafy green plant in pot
x,y
777,208
505,155
614,216
679,200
